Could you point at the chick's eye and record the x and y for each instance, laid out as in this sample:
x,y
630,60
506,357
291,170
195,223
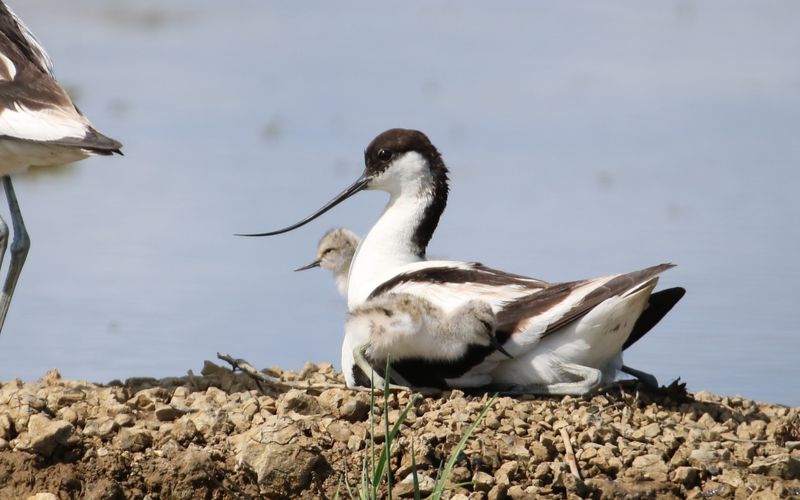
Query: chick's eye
x,y
384,155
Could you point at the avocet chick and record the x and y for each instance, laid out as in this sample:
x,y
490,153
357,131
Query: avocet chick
x,y
334,253
425,345
414,322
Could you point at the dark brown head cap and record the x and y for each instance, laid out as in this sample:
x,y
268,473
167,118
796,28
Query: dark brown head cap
x,y
393,143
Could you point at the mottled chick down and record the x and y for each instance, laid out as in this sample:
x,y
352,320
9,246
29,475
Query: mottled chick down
x,y
335,252
406,326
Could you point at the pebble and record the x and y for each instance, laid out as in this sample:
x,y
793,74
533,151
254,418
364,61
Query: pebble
x,y
44,435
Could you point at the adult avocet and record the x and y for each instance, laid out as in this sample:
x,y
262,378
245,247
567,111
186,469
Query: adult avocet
x,y
39,126
335,252
567,336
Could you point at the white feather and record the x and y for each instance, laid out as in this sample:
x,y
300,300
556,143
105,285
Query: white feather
x,y
9,68
46,124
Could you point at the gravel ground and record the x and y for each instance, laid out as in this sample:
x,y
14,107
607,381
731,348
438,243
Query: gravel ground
x,y
216,435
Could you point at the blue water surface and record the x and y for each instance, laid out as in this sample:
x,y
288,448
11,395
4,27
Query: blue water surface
x,y
584,139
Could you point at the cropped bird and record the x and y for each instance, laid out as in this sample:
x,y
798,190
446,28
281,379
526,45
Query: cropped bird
x,y
39,126
564,336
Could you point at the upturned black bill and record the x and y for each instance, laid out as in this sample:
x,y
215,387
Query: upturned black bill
x,y
357,186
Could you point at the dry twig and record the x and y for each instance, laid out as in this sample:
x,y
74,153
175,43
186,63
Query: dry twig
x,y
573,463
260,377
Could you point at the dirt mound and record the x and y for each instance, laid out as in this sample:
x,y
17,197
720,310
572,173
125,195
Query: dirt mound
x,y
218,436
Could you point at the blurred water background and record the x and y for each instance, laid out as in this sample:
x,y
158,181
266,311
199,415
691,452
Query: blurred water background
x,y
584,139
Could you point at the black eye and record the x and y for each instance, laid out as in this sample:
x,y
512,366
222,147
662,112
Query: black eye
x,y
384,155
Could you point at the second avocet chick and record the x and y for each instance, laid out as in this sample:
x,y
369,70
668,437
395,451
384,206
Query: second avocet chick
x,y
426,346
335,252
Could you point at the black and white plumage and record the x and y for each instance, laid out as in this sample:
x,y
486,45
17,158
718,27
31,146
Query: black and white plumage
x,y
336,251
39,126
398,326
564,336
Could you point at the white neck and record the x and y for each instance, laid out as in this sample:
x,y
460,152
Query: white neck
x,y
389,244
341,281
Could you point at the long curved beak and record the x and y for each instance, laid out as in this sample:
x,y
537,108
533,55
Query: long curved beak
x,y
357,186
312,265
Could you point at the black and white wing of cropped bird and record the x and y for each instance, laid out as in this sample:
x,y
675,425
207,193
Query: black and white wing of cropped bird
x,y
39,126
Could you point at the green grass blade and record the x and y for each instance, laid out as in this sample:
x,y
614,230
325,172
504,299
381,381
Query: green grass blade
x,y
372,485
414,476
442,480
347,486
391,436
338,487
387,445
365,492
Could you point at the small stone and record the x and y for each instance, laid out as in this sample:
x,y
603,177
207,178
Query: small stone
x,y
166,413
686,476
539,452
730,477
298,402
52,377
133,440
744,452
482,481
6,426
339,432
216,396
42,496
68,415
102,427
405,488
516,492
354,443
124,420
280,455
4,445
505,474
355,408
651,467
146,399
784,466
714,489
44,435
460,474
652,430
704,458
542,471
498,492
184,430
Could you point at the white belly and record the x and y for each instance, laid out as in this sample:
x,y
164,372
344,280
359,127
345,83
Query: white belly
x,y
16,156
594,340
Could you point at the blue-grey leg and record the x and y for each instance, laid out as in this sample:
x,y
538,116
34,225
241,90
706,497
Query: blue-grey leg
x,y
19,249
3,239
647,379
